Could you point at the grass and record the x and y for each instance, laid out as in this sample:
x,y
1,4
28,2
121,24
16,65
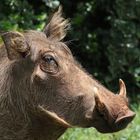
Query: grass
x,y
132,132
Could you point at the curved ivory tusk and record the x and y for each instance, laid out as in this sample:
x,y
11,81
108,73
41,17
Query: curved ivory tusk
x,y
122,88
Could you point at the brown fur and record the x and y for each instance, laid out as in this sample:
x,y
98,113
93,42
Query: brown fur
x,y
42,96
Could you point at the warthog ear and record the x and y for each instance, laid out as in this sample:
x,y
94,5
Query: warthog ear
x,y
53,117
15,44
57,27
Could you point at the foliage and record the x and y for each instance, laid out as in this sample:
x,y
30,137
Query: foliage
x,y
19,15
130,133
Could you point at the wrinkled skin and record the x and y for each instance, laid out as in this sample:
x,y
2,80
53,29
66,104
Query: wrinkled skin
x,y
44,91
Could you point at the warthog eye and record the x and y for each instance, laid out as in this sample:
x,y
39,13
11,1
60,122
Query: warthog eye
x,y
49,59
49,64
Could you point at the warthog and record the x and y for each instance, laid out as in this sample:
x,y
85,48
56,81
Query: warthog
x,y
44,90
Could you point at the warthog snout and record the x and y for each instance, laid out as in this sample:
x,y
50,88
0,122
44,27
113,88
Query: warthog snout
x,y
113,110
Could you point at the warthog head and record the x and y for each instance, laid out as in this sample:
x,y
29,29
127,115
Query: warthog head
x,y
55,86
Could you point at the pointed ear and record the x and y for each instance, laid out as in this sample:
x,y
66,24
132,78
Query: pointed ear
x,y
53,117
16,45
57,27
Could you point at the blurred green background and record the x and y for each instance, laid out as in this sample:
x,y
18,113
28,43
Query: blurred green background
x,y
104,37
